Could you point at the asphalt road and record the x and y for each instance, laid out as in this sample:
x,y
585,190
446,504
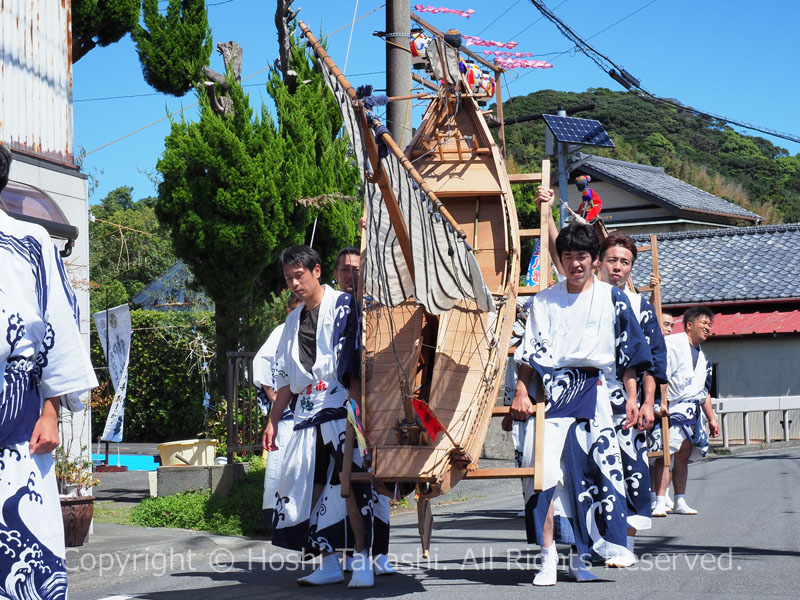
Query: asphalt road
x,y
745,543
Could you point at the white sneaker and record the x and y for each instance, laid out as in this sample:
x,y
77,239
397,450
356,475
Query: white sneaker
x,y
681,508
326,574
660,509
382,566
623,560
363,576
548,572
578,571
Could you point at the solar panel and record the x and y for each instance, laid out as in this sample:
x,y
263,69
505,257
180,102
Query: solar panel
x,y
585,132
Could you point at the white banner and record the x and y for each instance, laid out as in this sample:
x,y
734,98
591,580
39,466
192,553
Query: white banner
x,y
114,329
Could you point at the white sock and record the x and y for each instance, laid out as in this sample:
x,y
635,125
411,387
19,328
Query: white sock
x,y
680,498
549,553
629,542
329,561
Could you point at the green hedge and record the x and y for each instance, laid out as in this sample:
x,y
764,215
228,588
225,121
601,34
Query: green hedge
x,y
165,389
238,514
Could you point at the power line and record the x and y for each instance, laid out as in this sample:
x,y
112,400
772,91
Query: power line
x,y
627,80
498,17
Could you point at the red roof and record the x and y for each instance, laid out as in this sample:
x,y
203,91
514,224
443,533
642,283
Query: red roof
x,y
751,323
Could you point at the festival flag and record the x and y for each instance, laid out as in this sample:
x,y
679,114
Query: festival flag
x,y
354,417
429,421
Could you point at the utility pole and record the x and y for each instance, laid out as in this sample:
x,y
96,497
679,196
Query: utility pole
x,y
562,175
398,69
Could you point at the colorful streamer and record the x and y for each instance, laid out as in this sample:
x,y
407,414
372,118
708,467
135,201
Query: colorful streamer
x,y
520,63
452,11
471,40
507,54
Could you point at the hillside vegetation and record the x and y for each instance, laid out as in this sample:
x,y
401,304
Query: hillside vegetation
x,y
747,170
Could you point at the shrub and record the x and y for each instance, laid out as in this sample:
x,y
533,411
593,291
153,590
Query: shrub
x,y
165,387
238,514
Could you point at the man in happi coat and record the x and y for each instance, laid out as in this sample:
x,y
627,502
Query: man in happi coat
x,y
45,365
318,359
264,379
689,401
582,339
617,256
346,273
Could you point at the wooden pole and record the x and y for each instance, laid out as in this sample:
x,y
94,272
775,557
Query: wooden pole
x,y
499,94
545,268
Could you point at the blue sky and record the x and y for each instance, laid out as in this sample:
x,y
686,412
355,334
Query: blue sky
x,y
733,58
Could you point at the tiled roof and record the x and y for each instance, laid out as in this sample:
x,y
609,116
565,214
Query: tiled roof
x,y
654,182
739,263
751,323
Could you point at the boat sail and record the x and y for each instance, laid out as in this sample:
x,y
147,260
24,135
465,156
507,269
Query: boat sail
x,y
440,274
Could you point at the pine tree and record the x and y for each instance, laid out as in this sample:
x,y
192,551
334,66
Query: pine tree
x,y
100,23
173,48
232,190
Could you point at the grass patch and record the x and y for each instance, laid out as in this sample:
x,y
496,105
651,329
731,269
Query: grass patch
x,y
113,512
238,514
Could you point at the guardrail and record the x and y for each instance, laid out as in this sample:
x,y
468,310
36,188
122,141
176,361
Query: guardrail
x,y
724,407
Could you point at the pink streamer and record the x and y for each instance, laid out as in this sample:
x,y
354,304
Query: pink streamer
x,y
519,63
461,13
506,54
470,40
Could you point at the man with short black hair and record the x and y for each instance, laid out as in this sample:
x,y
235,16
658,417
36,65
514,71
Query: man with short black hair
x,y
688,397
617,257
667,322
347,269
318,359
582,339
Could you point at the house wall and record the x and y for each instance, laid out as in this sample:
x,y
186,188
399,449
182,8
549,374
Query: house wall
x,y
757,366
647,216
36,78
68,188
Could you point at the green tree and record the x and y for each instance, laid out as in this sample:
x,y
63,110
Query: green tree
x,y
232,187
100,23
128,248
173,48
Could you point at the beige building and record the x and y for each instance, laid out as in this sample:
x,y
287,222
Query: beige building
x,y
45,184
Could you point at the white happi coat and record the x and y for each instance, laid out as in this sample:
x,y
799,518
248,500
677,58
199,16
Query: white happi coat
x,y
42,355
319,419
565,335
263,375
313,397
686,391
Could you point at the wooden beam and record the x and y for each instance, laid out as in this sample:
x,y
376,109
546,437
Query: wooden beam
x,y
545,264
500,411
501,473
529,233
644,248
524,177
527,291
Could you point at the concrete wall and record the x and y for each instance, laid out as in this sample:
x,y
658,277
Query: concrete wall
x,y
757,366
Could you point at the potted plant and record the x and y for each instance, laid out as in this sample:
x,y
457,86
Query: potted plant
x,y
75,481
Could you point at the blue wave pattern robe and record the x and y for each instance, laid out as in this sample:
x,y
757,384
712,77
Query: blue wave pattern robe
x,y
320,417
42,355
633,444
581,344
687,389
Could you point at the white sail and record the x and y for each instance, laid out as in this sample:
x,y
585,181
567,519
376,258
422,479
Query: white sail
x,y
445,269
